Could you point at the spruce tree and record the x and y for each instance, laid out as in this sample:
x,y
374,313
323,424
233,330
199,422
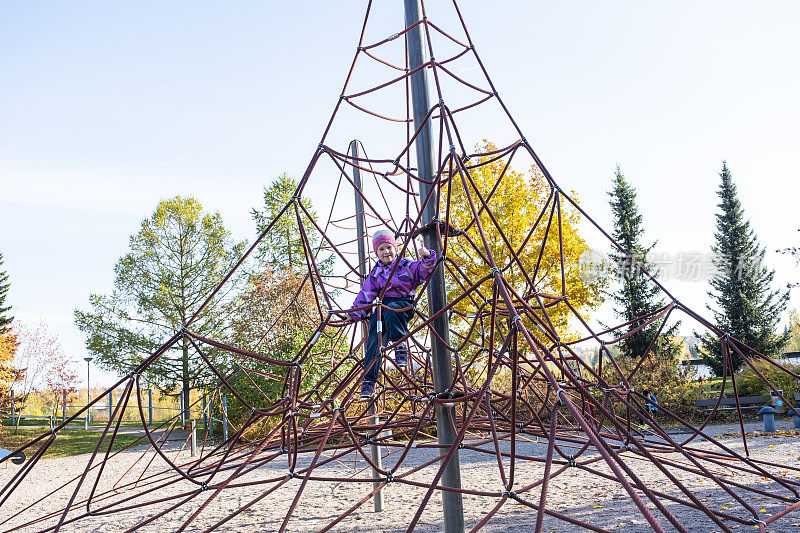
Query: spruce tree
x,y
5,318
746,306
636,295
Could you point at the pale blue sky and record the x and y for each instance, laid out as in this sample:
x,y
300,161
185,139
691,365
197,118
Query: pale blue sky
x,y
107,108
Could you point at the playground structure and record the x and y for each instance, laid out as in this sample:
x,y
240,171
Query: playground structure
x,y
493,367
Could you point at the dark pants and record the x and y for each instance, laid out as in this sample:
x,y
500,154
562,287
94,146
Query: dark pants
x,y
395,325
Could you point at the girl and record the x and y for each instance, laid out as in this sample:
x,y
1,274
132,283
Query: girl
x,y
399,295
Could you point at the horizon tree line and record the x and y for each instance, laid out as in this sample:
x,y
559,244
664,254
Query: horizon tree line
x,y
121,328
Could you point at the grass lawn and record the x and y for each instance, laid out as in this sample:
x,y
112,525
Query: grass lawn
x,y
38,422
68,442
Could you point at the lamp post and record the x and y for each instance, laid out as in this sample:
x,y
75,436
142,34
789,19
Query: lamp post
x,y
88,393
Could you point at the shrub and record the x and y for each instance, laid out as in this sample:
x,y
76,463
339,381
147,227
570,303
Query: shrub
x,y
672,384
749,383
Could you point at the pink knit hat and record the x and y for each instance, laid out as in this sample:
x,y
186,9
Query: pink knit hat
x,y
382,236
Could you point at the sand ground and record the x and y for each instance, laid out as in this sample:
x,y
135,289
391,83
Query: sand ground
x,y
575,492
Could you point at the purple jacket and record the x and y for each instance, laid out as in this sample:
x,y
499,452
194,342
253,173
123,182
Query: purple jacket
x,y
408,276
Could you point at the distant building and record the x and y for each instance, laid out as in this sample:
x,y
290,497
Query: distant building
x,y
792,357
703,371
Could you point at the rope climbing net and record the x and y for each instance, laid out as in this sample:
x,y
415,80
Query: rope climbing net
x,y
523,400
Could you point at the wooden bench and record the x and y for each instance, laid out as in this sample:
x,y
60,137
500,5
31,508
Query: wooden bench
x,y
729,403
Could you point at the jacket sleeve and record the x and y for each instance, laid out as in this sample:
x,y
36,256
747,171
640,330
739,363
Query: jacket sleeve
x,y
365,296
421,270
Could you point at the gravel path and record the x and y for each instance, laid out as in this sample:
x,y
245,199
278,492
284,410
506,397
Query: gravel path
x,y
133,478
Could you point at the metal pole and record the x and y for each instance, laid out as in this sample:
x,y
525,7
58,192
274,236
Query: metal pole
x,y
205,416
452,503
211,416
361,231
88,393
193,437
224,418
110,404
64,407
150,406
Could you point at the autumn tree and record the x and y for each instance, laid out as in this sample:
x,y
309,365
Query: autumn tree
x,y
9,375
516,200
60,380
636,296
175,261
793,332
38,349
273,312
275,317
278,311
746,306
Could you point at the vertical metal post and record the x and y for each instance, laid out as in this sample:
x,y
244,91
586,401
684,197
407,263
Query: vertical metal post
x,y
224,418
211,416
361,231
88,394
110,403
180,408
150,406
600,361
205,416
193,437
452,503
64,407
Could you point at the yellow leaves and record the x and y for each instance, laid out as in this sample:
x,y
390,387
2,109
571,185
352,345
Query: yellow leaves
x,y
8,348
523,237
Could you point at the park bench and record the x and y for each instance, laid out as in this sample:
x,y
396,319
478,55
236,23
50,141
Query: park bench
x,y
49,418
729,403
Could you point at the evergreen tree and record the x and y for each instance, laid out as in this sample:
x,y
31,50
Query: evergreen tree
x,y
283,246
8,343
636,295
5,318
746,306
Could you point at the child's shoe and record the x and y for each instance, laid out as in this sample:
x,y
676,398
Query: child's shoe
x,y
401,355
367,388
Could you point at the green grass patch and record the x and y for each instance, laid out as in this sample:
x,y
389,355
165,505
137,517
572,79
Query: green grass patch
x,y
39,422
69,442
